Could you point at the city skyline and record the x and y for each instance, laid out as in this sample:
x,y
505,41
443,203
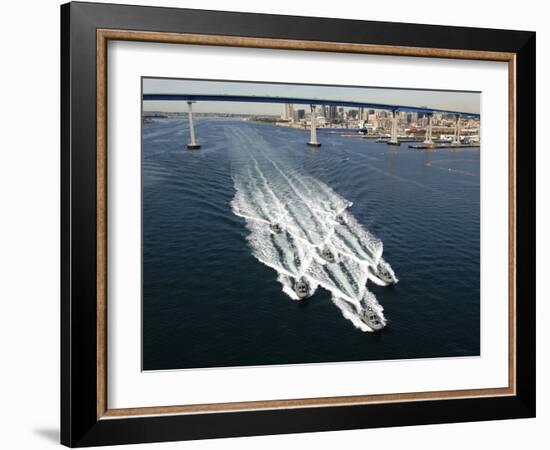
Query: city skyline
x,y
467,102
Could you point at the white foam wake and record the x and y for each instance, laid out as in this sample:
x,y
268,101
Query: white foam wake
x,y
268,192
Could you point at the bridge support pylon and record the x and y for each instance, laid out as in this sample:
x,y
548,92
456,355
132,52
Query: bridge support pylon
x,y
393,137
456,140
192,145
313,136
428,140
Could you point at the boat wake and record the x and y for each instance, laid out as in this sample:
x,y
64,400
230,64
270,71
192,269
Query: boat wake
x,y
304,231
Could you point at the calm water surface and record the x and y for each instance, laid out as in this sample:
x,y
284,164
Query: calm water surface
x,y
207,302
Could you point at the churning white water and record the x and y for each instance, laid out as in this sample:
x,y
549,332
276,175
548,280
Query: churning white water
x,y
312,218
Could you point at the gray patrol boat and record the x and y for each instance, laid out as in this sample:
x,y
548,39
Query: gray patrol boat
x,y
372,318
340,219
275,227
327,255
301,287
383,272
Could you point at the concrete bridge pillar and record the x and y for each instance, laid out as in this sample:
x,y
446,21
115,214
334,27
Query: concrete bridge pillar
x,y
393,138
428,139
313,138
192,145
456,140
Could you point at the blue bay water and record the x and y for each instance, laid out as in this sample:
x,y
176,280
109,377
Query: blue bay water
x,y
208,302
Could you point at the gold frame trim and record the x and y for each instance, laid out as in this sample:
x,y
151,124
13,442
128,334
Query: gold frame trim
x,y
103,36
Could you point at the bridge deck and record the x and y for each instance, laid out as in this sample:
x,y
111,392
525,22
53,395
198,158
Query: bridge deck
x,y
296,101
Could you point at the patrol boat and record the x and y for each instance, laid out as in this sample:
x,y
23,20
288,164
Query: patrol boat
x,y
327,255
372,319
383,272
340,219
275,227
301,287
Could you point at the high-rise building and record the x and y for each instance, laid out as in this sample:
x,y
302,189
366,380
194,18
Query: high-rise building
x,y
331,113
300,114
288,112
422,119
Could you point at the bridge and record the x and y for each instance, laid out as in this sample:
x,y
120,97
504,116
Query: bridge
x,y
313,103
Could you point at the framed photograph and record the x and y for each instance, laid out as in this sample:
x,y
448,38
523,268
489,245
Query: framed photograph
x,y
276,224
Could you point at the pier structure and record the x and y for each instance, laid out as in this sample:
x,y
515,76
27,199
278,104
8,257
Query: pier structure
x,y
428,140
456,140
192,145
313,103
393,137
313,142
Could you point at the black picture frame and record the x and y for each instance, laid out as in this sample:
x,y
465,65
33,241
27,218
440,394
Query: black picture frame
x,y
80,425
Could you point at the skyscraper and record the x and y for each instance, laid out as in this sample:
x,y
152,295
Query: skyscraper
x,y
288,112
332,113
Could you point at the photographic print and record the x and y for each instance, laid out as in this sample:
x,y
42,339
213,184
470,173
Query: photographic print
x,y
313,243
301,224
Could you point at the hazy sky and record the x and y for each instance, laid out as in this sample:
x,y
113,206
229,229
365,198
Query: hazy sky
x,y
446,100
